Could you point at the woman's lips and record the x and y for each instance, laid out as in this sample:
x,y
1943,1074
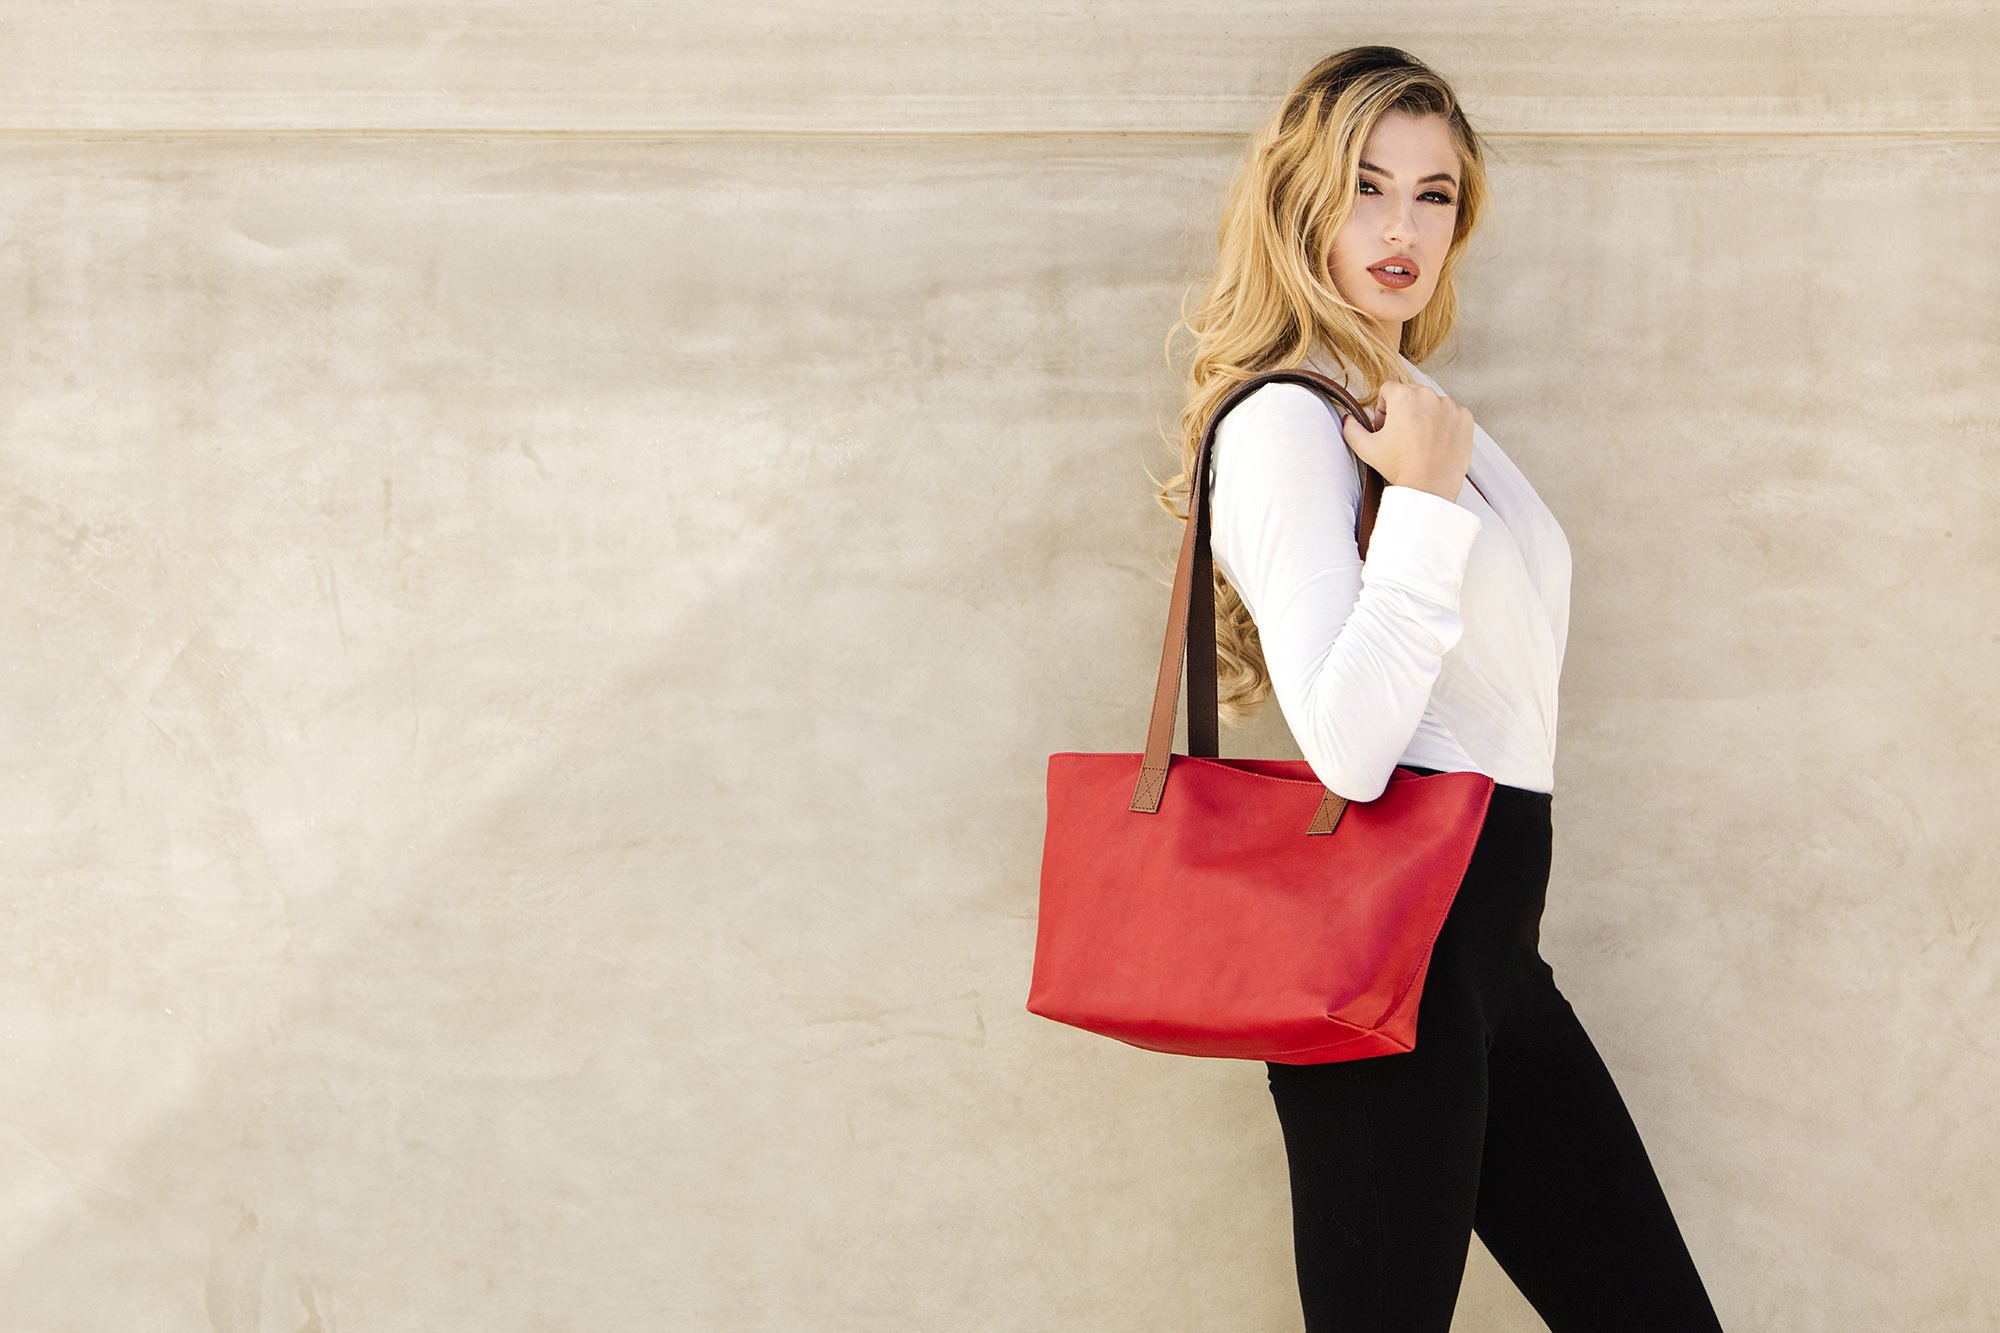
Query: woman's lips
x,y
1393,279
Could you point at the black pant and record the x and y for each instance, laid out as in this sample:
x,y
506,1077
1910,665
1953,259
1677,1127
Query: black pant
x,y
1503,1121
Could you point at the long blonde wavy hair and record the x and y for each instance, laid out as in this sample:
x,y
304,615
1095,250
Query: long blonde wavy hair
x,y
1271,296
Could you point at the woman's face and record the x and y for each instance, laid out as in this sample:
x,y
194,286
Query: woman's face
x,y
1406,205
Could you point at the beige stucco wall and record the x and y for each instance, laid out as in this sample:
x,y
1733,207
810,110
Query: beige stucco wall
x,y
547,547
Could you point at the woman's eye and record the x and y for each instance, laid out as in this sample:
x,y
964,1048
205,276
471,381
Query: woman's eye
x,y
1438,195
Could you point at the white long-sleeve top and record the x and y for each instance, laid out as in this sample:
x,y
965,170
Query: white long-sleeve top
x,y
1443,650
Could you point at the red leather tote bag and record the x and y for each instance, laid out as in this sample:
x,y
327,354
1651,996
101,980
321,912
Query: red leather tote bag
x,y
1237,908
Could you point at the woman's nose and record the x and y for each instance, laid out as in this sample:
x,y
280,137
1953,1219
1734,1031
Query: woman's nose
x,y
1402,225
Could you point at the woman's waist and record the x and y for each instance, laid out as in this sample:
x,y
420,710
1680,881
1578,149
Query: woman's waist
x,y
1503,792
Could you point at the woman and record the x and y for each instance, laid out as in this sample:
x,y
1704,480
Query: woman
x,y
1337,251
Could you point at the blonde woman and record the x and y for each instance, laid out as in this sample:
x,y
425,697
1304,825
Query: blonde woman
x,y
1441,652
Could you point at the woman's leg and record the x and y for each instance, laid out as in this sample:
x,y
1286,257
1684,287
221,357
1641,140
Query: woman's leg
x,y
1569,1204
1384,1159
1385,1151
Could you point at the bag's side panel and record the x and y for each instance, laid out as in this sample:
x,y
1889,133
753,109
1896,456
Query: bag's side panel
x,y
1217,926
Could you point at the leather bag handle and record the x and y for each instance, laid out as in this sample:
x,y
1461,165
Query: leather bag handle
x,y
1190,635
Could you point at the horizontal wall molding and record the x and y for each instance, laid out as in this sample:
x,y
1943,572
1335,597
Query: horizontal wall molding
x,y
917,66
1973,133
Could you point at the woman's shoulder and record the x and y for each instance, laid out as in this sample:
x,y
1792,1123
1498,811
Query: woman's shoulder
x,y
1281,404
1284,435
1284,422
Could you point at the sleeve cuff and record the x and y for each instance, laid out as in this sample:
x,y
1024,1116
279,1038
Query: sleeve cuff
x,y
1421,541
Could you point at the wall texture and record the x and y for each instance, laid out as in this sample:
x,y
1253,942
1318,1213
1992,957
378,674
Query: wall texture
x,y
546,549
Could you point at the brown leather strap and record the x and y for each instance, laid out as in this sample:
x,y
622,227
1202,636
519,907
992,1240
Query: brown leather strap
x,y
1190,635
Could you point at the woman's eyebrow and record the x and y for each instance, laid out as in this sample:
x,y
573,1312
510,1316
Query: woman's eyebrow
x,y
1434,176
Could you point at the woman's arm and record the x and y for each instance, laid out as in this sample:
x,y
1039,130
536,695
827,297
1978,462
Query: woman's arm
x,y
1353,649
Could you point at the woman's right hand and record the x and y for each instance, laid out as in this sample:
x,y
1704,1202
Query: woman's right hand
x,y
1422,438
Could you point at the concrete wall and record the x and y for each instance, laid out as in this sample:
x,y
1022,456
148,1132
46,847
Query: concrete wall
x,y
547,547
